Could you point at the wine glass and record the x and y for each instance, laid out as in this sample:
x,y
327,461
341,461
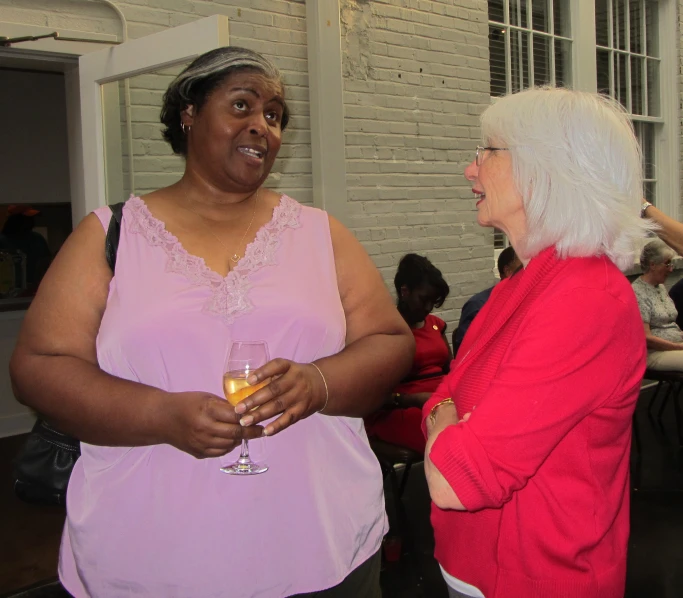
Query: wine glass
x,y
243,359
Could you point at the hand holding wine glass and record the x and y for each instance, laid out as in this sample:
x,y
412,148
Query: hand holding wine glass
x,y
295,392
244,357
201,424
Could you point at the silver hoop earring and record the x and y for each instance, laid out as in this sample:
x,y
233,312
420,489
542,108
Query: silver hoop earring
x,y
186,128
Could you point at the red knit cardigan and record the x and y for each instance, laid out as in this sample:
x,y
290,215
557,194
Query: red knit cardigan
x,y
551,371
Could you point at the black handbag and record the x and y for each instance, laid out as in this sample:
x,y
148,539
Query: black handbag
x,y
44,464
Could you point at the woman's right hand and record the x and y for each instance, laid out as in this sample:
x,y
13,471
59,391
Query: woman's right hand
x,y
203,425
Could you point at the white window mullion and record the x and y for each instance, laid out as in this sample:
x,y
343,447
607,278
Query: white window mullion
x,y
508,47
629,74
643,25
667,142
584,70
551,26
532,68
530,43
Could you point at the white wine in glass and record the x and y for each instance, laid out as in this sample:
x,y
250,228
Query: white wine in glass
x,y
243,359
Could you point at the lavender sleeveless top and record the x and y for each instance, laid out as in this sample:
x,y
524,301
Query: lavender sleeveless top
x,y
154,521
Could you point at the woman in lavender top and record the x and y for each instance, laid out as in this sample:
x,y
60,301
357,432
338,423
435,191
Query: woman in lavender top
x,y
132,365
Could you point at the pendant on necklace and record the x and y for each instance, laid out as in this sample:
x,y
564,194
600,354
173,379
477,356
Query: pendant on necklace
x,y
235,258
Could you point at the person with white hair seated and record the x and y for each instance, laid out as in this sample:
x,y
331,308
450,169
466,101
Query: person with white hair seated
x,y
663,336
528,436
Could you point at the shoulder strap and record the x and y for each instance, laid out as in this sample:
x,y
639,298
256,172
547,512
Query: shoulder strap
x,y
111,243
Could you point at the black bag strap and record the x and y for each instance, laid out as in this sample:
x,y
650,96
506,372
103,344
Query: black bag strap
x,y
111,243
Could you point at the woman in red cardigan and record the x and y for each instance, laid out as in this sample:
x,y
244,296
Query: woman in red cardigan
x,y
528,437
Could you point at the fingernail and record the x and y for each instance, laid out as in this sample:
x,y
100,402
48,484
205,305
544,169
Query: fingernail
x,y
252,379
247,421
240,408
266,432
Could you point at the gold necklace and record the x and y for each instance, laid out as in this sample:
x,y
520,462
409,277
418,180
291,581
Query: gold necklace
x,y
235,257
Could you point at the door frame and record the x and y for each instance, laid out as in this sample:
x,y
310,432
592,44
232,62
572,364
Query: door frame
x,y
101,173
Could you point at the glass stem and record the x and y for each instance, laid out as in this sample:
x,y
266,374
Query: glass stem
x,y
244,453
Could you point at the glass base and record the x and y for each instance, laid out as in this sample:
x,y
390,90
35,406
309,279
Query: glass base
x,y
244,467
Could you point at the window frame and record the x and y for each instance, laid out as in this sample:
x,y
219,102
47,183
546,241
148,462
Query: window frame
x,y
667,131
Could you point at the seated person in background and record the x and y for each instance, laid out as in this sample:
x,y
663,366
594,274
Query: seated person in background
x,y
420,288
508,264
676,294
18,234
663,336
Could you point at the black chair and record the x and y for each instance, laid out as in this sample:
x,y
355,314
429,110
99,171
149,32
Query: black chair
x,y
394,459
669,385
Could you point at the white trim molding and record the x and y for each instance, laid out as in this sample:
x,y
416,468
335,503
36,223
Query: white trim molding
x,y
326,91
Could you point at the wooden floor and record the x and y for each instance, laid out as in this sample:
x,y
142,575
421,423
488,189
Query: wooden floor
x,y
30,534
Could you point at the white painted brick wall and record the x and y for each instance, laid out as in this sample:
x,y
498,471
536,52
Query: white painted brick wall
x,y
276,28
415,80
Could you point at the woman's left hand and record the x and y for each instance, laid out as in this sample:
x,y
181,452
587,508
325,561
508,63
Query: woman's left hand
x,y
295,391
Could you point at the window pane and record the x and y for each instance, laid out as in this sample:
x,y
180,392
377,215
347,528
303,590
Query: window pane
x,y
563,53
518,13
637,85
539,15
651,18
497,59
499,239
519,58
636,26
542,75
653,108
619,24
601,23
496,11
602,60
561,17
620,79
645,132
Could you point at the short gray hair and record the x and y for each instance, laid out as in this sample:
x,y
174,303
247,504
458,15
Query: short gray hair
x,y
196,82
655,252
577,164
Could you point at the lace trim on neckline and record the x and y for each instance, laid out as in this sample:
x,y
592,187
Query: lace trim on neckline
x,y
230,294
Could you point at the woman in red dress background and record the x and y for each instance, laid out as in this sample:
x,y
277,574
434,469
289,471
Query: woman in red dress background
x,y
420,287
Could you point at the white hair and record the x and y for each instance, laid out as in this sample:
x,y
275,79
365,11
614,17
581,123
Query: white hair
x,y
577,164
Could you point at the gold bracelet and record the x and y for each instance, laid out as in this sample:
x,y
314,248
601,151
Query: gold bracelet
x,y
327,390
432,413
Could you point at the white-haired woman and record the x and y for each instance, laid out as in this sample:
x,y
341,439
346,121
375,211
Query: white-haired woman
x,y
133,365
663,336
528,438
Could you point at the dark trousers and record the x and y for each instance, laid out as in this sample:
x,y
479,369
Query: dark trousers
x,y
362,582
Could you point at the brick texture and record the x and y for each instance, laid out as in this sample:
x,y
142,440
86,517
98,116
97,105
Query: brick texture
x,y
415,81
276,28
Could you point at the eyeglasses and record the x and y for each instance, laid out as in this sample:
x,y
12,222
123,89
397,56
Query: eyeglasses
x,y
668,263
481,151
